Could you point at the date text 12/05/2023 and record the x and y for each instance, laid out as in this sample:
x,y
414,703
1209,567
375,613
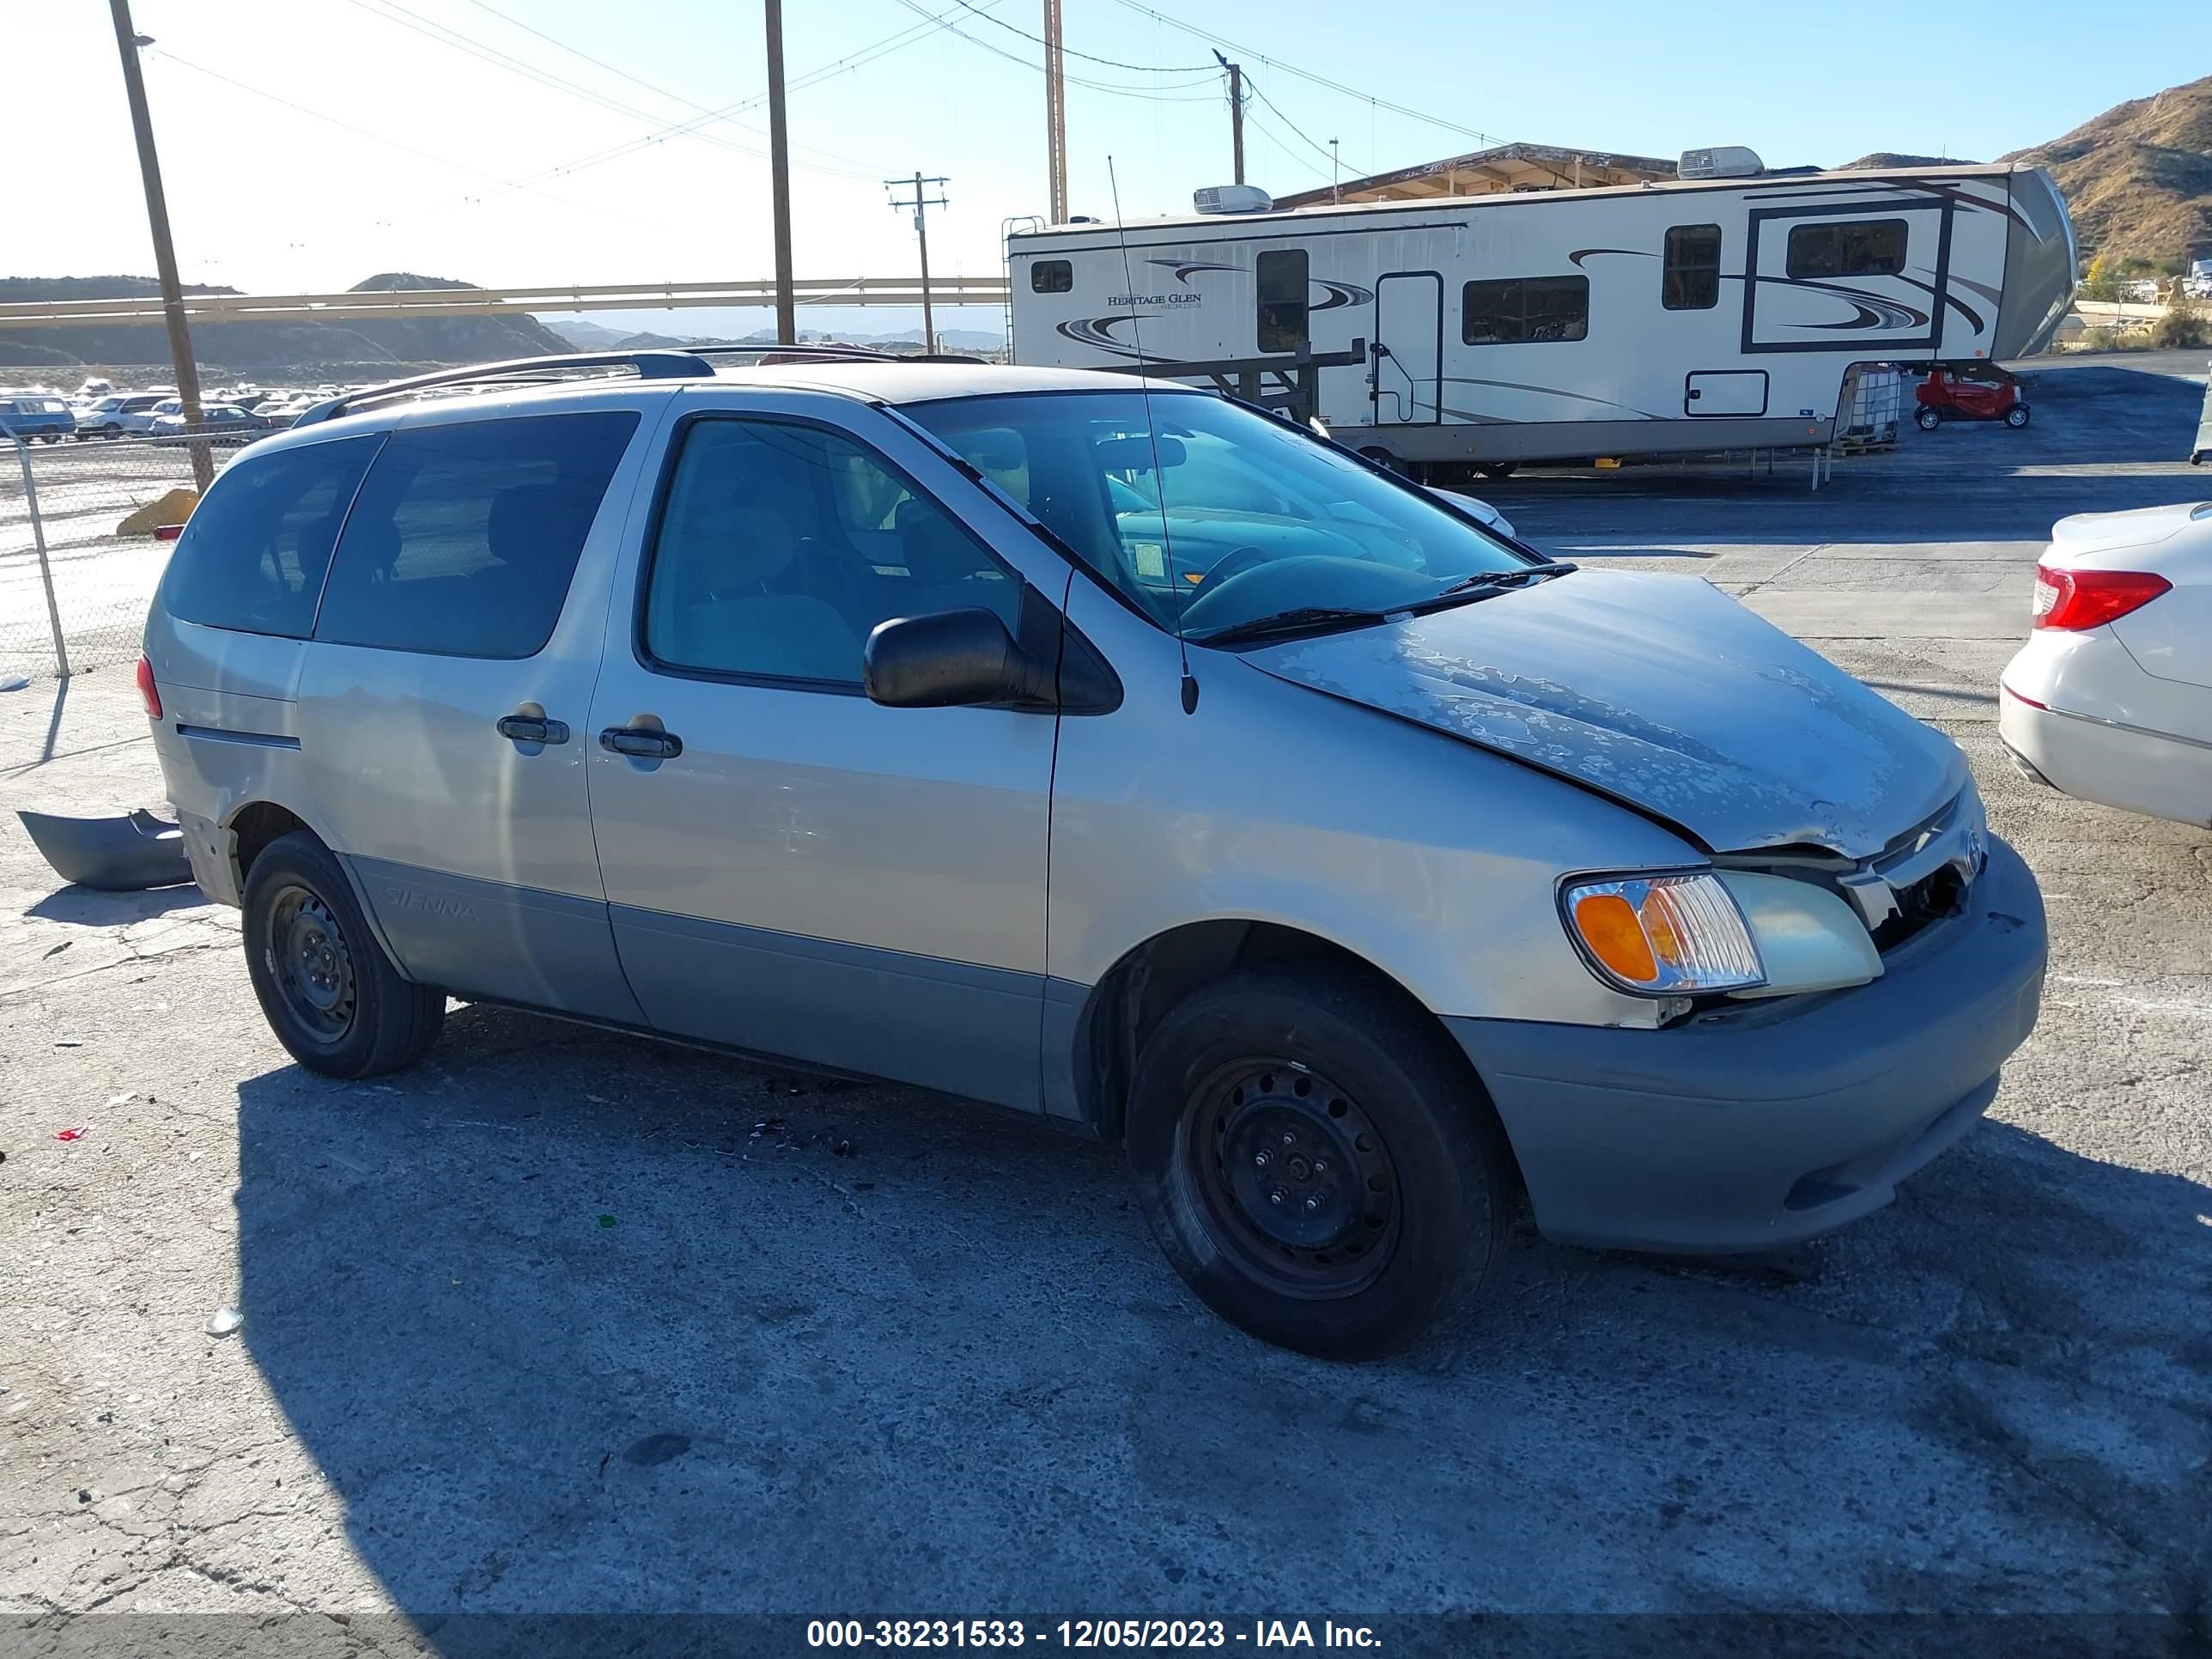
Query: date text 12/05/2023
x,y
1083,1633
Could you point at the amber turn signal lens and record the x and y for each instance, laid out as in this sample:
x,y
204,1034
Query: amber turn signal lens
x,y
1608,925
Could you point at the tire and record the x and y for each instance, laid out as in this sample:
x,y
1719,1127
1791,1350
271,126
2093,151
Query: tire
x,y
327,988
2016,417
1340,1081
1926,418
111,432
1498,469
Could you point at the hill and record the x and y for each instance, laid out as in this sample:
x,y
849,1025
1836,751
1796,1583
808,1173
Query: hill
x,y
1891,158
2138,179
266,347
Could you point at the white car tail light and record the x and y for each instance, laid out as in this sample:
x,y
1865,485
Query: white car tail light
x,y
2078,599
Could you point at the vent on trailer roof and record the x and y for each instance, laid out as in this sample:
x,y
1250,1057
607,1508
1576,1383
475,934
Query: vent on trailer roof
x,y
1232,198
1720,161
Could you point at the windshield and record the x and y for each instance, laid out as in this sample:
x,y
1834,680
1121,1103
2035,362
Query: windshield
x,y
1260,518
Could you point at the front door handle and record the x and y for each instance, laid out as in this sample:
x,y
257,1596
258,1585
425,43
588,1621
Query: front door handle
x,y
641,743
532,728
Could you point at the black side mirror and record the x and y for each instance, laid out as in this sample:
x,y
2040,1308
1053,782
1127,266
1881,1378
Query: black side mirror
x,y
951,659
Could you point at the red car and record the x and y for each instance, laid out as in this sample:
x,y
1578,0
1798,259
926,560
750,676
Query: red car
x,y
1978,392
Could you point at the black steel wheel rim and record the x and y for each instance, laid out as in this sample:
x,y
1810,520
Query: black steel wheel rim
x,y
307,957
1294,1178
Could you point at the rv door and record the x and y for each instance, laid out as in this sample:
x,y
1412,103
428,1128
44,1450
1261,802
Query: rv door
x,y
1409,349
1868,278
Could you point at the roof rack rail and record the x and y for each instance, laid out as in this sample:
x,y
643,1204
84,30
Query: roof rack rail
x,y
830,352
648,365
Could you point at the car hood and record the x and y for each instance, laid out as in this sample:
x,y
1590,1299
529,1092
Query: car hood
x,y
1661,692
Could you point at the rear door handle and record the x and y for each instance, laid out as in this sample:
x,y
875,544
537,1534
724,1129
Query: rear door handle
x,y
532,728
641,743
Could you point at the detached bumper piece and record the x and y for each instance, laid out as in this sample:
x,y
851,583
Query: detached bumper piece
x,y
122,855
1759,1125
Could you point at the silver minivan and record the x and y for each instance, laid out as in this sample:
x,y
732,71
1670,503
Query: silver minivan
x,y
1106,750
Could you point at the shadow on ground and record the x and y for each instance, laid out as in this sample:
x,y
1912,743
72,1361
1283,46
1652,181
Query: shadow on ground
x,y
574,1322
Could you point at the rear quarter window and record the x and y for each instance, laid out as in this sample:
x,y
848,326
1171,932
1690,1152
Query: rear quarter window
x,y
253,553
464,536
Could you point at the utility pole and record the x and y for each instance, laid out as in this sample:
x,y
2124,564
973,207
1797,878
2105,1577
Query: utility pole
x,y
1056,114
127,41
1335,191
1235,114
920,203
779,168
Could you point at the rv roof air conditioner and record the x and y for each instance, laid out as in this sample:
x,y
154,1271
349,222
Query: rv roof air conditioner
x,y
1721,161
1232,198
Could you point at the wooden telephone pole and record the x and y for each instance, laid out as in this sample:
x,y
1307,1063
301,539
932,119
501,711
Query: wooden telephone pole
x,y
779,166
127,41
920,204
1235,115
1056,114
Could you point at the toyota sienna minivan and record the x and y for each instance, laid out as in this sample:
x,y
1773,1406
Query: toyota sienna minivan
x,y
1103,749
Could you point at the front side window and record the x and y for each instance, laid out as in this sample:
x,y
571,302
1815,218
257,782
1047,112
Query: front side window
x,y
1525,310
1052,276
1860,247
1690,268
253,553
1205,515
465,534
781,548
1281,274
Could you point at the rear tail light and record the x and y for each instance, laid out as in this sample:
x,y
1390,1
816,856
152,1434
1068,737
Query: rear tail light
x,y
147,690
167,532
2089,598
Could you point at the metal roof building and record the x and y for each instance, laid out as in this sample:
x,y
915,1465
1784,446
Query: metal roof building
x,y
1499,170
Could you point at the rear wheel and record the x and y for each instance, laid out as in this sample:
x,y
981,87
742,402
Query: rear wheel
x,y
1316,1161
2016,417
328,991
1928,419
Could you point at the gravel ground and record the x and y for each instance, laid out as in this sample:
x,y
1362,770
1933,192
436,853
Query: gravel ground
x,y
565,1322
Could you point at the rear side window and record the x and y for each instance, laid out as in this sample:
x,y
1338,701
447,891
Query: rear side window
x,y
1865,247
1282,283
253,553
464,536
1052,276
1690,272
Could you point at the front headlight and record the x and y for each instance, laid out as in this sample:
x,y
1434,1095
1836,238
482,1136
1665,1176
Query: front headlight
x,y
1662,935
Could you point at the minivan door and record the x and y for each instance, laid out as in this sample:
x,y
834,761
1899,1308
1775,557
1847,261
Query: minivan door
x,y
444,703
793,869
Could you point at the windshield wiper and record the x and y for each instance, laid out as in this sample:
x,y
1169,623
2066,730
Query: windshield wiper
x,y
1301,619
1489,583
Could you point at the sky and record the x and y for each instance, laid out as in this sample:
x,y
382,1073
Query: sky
x,y
307,144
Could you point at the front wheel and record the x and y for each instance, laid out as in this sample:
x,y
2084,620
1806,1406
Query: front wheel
x,y
1927,419
1317,1161
2016,417
328,991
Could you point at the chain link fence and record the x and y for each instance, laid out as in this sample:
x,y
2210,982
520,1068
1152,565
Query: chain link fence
x,y
78,555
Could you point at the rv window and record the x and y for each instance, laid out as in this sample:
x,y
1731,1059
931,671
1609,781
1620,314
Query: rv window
x,y
1524,310
1865,247
1052,276
1690,275
1282,274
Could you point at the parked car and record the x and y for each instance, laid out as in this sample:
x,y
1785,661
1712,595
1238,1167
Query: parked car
x,y
222,423
42,420
1978,392
118,415
2110,698
1127,757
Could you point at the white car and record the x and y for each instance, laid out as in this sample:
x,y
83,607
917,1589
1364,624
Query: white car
x,y
2110,698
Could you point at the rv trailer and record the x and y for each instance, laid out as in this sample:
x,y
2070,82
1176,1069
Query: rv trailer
x,y
1706,313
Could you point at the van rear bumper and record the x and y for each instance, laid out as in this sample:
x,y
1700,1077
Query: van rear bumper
x,y
1765,1123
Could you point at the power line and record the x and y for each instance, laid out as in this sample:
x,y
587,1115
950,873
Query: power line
x,y
673,97
1368,97
1319,150
1089,58
1152,94
168,56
